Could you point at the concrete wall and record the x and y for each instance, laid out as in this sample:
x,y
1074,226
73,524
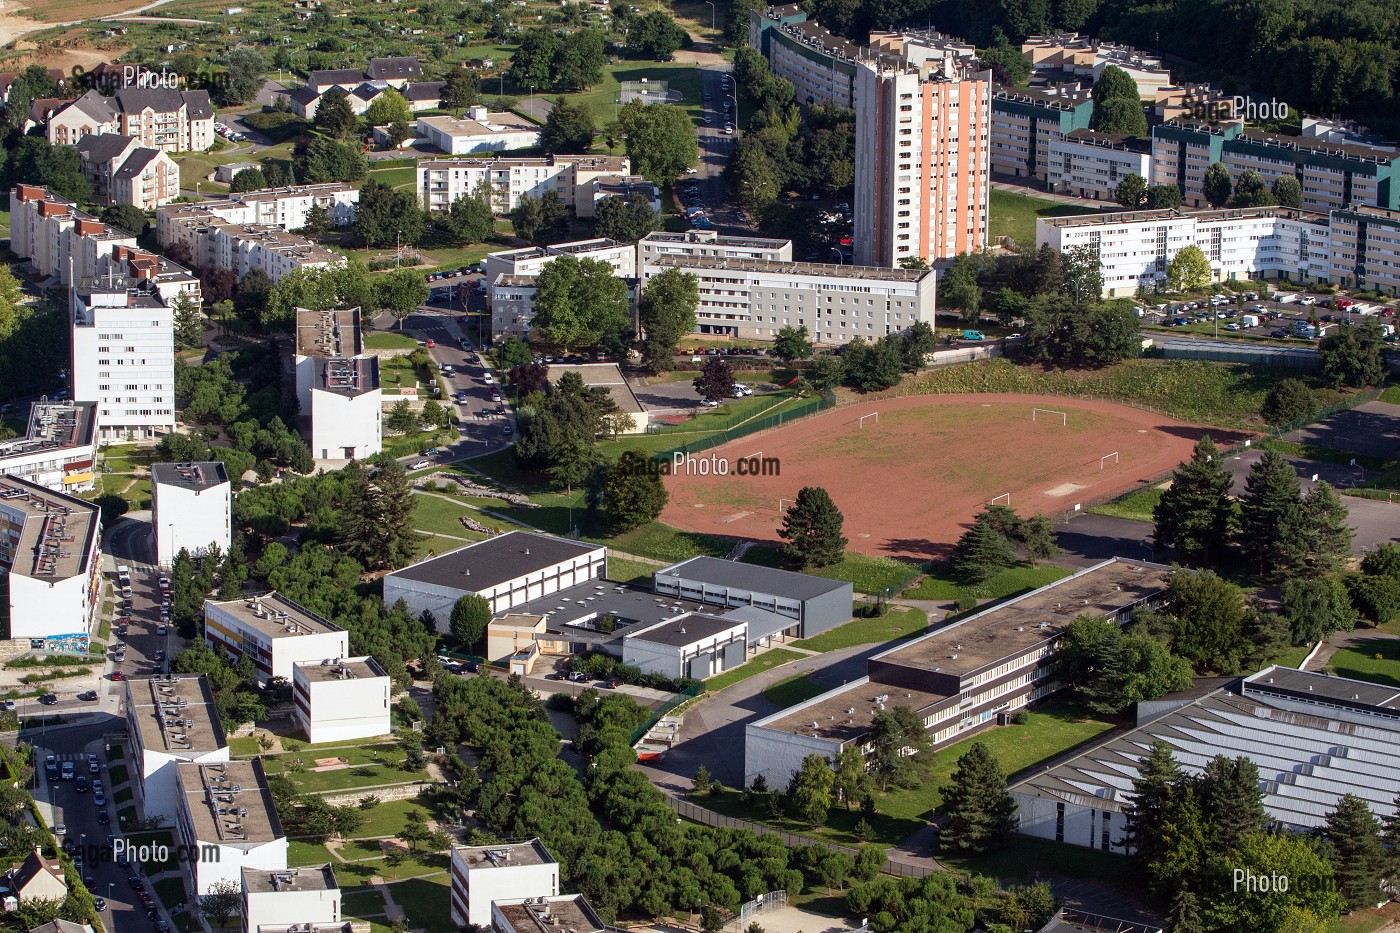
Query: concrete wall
x,y
1083,826
776,755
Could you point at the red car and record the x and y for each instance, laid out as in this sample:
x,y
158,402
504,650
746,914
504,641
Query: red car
x,y
118,675
430,343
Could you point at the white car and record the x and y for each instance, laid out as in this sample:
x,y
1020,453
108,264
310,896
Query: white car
x,y
692,171
420,465
710,403
488,379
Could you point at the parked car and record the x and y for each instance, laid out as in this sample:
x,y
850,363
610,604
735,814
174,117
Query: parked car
x,y
82,784
88,696
420,464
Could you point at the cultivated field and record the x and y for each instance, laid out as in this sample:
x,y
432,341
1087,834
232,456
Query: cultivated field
x,y
910,480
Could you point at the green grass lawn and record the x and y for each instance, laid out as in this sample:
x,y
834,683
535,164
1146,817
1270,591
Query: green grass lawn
x,y
866,574
171,891
117,774
394,177
623,570
1376,660
1291,657
425,902
436,515
388,340
366,903
897,623
244,747
300,852
1391,395
764,662
1014,215
385,819
369,766
602,97
1136,505
662,542
5,222
1027,855
1003,583
793,690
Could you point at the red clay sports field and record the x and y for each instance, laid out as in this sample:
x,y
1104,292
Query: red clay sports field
x,y
909,473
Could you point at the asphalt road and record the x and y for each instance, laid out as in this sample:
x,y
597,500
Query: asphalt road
x,y
715,149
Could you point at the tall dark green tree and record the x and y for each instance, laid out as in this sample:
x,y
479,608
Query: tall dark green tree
x,y
1271,511
1358,856
1146,814
462,90
1195,516
666,312
811,530
980,814
632,493
568,128
1315,608
385,217
1326,536
626,220
1351,356
1251,191
1218,185
1232,800
1288,402
981,552
1208,618
334,116
471,614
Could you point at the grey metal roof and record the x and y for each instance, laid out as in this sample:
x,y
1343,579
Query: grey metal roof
x,y
96,106
684,630
424,90
137,162
752,577
202,475
200,107
384,69
489,563
303,95
337,76
761,622
102,147
158,99
1306,760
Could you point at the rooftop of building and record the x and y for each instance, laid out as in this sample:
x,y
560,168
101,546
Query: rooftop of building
x,y
504,855
394,69
194,476
348,376
306,878
568,912
494,561
605,376
827,270
1307,759
573,248
54,426
329,669
596,163
1060,98
710,237
683,630
846,713
293,191
1119,141
1321,147
176,715
275,616
1010,628
1169,214
270,237
1314,687
579,606
495,122
57,531
336,76
755,578
516,281
329,333
229,802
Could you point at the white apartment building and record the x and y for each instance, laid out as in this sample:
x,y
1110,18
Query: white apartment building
x,y
483,875
225,234
508,570
922,160
59,241
49,555
338,385
1366,249
287,207
274,632
306,898
225,814
1072,54
341,699
122,171
507,179
58,448
189,508
754,299
1135,248
240,248
124,342
162,118
512,300
1025,123
711,243
622,257
1087,164
480,131
170,720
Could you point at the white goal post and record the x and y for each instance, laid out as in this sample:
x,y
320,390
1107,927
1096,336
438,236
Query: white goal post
x,y
1106,457
995,499
1049,414
861,423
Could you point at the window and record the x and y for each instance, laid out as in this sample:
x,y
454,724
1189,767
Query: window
x,y
1059,822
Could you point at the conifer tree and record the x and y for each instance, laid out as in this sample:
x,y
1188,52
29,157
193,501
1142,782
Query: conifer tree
x,y
1271,515
1158,773
981,814
1326,535
1232,800
811,530
1358,857
981,552
1195,516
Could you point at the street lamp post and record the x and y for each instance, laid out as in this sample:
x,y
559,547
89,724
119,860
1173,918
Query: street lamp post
x,y
712,14
840,257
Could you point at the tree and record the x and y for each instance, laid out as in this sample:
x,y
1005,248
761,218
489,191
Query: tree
x,y
572,462
1008,65
1383,561
1232,801
792,344
1270,515
577,301
1081,274
334,116
243,74
1136,668
1207,618
960,286
893,732
250,297
1083,649
1147,810
1287,192
568,128
385,217
461,90
661,140
1163,197
540,220
716,379
1326,538
514,352
529,377
1312,886
626,220
325,160
399,131
657,36
222,902
1289,401
852,783
1195,516
981,552
31,160
1037,535
1113,83
126,217
1377,598
1185,913
216,284
666,312
1061,330
702,783
810,790
471,614
389,107
1316,608
189,326
247,179
632,491
1188,270
981,815
532,65
1131,192
376,526
400,292
579,61
1251,191
811,530
1120,116
468,219
1217,185
1351,356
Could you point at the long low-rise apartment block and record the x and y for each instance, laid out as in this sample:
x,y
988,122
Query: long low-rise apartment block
x,y
273,632
59,240
961,678
1092,165
306,899
709,243
57,449
227,818
170,720
622,257
1366,249
479,131
53,568
507,179
241,236
754,299
1136,248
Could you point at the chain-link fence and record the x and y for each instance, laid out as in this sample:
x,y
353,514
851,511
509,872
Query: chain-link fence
x,y
802,408
689,693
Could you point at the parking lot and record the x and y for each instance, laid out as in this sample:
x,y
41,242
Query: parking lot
x,y
1287,320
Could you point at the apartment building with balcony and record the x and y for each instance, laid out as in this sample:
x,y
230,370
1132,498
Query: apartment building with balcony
x,y
1079,56
238,245
57,449
1365,245
121,171
273,632
58,240
1025,123
505,180
1088,164
159,118
660,243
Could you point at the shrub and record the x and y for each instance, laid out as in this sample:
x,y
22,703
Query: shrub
x,y
965,604
1020,718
